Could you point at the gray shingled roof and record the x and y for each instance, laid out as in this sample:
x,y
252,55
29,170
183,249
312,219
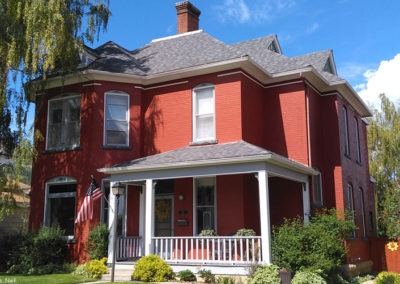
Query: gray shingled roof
x,y
199,48
198,154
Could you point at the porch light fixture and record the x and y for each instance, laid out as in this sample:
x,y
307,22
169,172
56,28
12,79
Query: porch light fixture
x,y
181,197
117,189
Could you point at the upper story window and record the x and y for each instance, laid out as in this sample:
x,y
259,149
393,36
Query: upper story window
x,y
60,204
116,119
346,132
64,123
357,138
203,113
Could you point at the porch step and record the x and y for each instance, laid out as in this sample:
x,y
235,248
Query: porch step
x,y
122,273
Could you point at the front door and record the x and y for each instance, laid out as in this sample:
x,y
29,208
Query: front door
x,y
163,217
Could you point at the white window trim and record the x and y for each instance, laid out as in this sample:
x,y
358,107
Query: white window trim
x,y
62,180
195,203
194,113
63,97
116,93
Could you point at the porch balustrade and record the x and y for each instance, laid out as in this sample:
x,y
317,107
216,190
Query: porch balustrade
x,y
228,250
129,248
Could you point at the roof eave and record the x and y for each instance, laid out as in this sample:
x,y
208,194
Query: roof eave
x,y
319,82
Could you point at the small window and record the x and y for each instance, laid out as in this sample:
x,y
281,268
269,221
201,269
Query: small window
x,y
63,123
116,119
203,113
60,204
205,204
357,138
346,133
317,189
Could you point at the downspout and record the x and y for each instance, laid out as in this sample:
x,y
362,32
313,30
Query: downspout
x,y
308,124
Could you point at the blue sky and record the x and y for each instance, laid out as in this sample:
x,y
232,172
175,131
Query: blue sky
x,y
363,34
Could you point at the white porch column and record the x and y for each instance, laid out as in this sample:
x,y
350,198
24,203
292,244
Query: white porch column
x,y
142,214
265,216
111,212
149,217
306,202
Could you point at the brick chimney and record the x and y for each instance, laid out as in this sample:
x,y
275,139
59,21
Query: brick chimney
x,y
188,17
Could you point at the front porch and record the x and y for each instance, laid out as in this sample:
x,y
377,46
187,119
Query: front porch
x,y
224,188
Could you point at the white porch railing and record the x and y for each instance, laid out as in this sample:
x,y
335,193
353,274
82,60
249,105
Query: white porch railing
x,y
129,248
227,250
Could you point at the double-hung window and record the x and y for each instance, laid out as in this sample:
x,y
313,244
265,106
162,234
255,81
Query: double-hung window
x,y
203,113
63,123
205,204
116,119
60,204
350,206
317,189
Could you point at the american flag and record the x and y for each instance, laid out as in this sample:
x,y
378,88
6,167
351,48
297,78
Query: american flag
x,y
86,211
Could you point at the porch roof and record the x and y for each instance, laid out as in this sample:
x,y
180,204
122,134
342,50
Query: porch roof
x,y
233,153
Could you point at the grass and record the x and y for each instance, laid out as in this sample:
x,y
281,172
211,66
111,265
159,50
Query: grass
x,y
47,278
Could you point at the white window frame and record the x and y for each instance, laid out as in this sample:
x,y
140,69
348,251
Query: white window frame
x,y
196,115
209,179
63,124
106,119
62,180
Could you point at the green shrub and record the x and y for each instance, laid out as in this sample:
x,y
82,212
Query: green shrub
x,y
97,243
245,232
41,253
92,269
306,277
317,246
265,274
225,280
207,276
386,277
186,275
152,268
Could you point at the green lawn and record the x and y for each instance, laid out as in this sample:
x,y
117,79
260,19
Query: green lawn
x,y
40,279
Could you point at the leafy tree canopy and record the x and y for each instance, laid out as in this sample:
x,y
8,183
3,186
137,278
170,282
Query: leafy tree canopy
x,y
384,162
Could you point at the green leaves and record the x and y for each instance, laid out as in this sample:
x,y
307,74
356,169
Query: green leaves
x,y
384,162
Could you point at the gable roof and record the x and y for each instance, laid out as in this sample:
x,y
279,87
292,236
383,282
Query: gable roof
x,y
197,53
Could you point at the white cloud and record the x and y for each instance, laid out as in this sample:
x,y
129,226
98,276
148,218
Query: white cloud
x,y
385,79
255,11
312,28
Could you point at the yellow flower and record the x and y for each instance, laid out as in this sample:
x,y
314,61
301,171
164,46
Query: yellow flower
x,y
392,246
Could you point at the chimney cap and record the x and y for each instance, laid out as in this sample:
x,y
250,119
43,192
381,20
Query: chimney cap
x,y
189,6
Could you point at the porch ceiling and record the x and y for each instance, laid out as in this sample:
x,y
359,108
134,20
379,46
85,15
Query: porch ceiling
x,y
216,159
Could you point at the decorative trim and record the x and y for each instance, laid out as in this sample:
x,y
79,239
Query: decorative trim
x,y
161,86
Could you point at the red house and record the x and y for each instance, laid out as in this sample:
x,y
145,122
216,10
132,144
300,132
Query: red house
x,y
201,135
